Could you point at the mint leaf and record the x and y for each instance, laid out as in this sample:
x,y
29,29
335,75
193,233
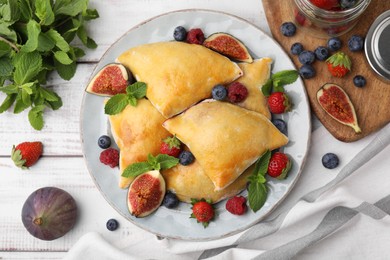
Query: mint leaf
x,y
19,104
6,67
35,116
135,169
45,43
257,195
27,66
116,104
6,32
90,14
137,89
69,7
5,49
261,167
7,103
58,39
65,71
88,42
267,88
62,57
44,11
25,11
166,161
33,31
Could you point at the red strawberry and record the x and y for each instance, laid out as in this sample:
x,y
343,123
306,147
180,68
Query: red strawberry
x,y
279,165
278,103
236,205
203,211
171,146
26,154
339,64
325,4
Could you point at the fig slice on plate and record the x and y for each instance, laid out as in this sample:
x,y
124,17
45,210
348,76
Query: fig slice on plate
x,y
146,193
229,46
49,213
335,101
112,79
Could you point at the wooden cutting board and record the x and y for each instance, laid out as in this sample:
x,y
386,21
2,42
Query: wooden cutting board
x,y
372,102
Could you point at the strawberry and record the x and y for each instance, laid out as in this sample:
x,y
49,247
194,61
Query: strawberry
x,y
202,211
325,4
339,64
171,146
279,165
26,154
278,103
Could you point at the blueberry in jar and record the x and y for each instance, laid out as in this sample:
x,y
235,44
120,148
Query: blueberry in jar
x,y
180,34
104,141
347,4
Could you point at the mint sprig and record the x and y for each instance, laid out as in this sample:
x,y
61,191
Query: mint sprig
x,y
35,39
278,80
159,162
118,102
257,189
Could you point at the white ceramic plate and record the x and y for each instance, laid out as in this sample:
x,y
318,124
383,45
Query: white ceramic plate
x,y
176,223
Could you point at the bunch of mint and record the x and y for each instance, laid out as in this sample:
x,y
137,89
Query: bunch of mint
x,y
35,37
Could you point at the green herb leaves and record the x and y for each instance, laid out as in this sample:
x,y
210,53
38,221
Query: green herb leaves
x,y
118,102
35,39
278,80
257,189
160,162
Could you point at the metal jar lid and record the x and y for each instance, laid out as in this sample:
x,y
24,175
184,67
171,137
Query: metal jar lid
x,y
377,45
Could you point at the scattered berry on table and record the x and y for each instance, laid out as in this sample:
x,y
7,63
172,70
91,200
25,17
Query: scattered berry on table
x,y
356,43
321,53
26,154
237,92
334,44
288,29
280,124
171,146
170,200
186,158
346,4
325,4
279,165
104,141
110,157
236,205
112,224
195,36
202,211
180,34
296,48
306,57
330,160
359,81
339,64
278,103
219,92
307,71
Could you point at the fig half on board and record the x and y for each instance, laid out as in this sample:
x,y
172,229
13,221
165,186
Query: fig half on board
x,y
335,101
228,46
49,213
112,79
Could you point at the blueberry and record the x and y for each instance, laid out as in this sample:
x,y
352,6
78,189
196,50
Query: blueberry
x,y
170,200
307,71
219,92
334,44
346,4
321,53
180,34
112,224
296,48
330,160
281,125
356,43
306,57
359,81
104,141
288,29
186,158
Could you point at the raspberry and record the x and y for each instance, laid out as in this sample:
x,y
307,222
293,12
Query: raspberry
x,y
195,36
237,92
236,205
110,157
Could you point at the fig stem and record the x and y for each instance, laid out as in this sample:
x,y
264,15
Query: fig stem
x,y
38,221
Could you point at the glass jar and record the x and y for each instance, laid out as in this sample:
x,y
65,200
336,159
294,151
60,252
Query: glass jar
x,y
326,23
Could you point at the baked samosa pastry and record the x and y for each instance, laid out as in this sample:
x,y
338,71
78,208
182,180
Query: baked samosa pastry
x,y
137,131
190,182
224,138
255,76
178,74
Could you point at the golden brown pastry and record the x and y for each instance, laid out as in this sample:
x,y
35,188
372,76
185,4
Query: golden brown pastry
x,y
255,76
224,138
137,131
178,74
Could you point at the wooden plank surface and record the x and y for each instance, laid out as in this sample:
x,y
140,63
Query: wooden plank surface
x,y
371,102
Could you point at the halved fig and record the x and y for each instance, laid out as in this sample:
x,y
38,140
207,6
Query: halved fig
x,y
335,101
145,194
112,79
229,46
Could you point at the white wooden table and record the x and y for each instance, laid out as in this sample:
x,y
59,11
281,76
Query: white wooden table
x,y
62,164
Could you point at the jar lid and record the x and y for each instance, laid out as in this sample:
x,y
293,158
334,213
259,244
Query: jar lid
x,y
377,45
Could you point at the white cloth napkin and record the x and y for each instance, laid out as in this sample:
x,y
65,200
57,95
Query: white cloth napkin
x,y
341,213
